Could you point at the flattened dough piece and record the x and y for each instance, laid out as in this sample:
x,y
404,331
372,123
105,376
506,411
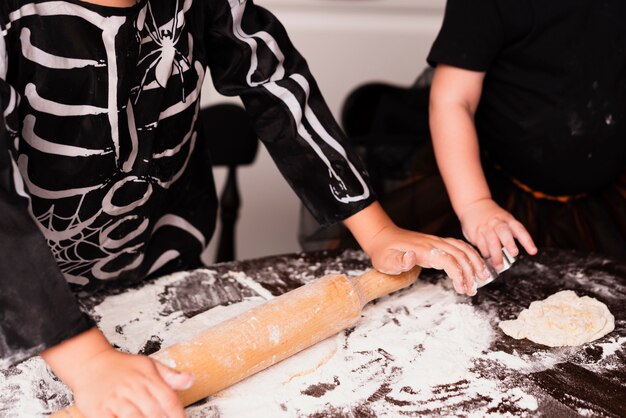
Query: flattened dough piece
x,y
563,319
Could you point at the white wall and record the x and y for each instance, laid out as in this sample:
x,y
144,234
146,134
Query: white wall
x,y
346,43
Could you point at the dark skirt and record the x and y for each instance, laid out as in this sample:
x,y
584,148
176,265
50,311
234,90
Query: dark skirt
x,y
595,222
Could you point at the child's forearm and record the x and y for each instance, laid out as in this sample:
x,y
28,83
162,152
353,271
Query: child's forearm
x,y
454,98
458,157
455,95
66,358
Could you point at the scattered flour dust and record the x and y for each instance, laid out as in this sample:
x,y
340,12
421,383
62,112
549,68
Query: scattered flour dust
x,y
30,390
411,353
243,279
130,319
547,359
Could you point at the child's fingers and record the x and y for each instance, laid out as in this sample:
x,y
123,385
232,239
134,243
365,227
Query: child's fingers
x,y
401,261
409,260
523,237
174,379
505,234
395,261
168,401
442,260
123,408
458,286
482,246
495,248
164,393
147,403
478,263
455,262
464,262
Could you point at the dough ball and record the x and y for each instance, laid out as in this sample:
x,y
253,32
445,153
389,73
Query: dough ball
x,y
563,319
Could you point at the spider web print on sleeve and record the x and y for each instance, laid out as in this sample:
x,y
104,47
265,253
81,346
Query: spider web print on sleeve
x,y
105,134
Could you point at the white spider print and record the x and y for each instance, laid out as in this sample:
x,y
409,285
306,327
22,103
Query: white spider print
x,y
166,56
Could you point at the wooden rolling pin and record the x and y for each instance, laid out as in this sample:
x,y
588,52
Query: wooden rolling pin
x,y
246,344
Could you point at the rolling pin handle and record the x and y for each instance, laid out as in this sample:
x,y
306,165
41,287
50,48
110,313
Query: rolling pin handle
x,y
374,284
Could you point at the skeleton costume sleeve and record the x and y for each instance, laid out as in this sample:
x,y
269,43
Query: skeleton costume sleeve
x,y
37,308
250,54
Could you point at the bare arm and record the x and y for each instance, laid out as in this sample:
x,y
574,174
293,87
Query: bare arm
x,y
455,95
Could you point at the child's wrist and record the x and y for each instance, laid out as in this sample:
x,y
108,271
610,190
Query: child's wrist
x,y
463,209
366,224
68,358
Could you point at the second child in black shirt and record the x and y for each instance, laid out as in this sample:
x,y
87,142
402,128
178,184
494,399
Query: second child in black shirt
x,y
528,118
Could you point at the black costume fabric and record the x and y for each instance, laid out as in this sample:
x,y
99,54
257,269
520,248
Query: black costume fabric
x,y
102,174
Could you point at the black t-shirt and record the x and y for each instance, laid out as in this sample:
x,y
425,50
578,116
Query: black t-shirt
x,y
553,106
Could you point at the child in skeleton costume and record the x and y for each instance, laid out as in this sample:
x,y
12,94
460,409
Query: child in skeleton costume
x,y
102,175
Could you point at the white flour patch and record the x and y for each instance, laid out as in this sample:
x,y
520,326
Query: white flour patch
x,y
246,281
40,392
411,353
512,361
548,359
611,347
532,363
129,319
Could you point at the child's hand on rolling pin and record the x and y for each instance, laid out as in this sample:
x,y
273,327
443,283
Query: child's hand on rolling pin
x,y
110,384
490,228
394,250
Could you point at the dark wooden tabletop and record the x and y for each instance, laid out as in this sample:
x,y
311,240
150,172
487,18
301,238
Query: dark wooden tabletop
x,y
581,381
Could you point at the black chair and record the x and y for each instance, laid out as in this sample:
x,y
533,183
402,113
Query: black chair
x,y
389,126
232,143
387,123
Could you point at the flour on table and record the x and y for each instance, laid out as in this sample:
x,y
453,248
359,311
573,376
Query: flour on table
x,y
411,353
30,390
563,319
130,319
242,278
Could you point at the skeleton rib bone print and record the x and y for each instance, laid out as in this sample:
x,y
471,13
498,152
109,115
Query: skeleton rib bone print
x,y
92,228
